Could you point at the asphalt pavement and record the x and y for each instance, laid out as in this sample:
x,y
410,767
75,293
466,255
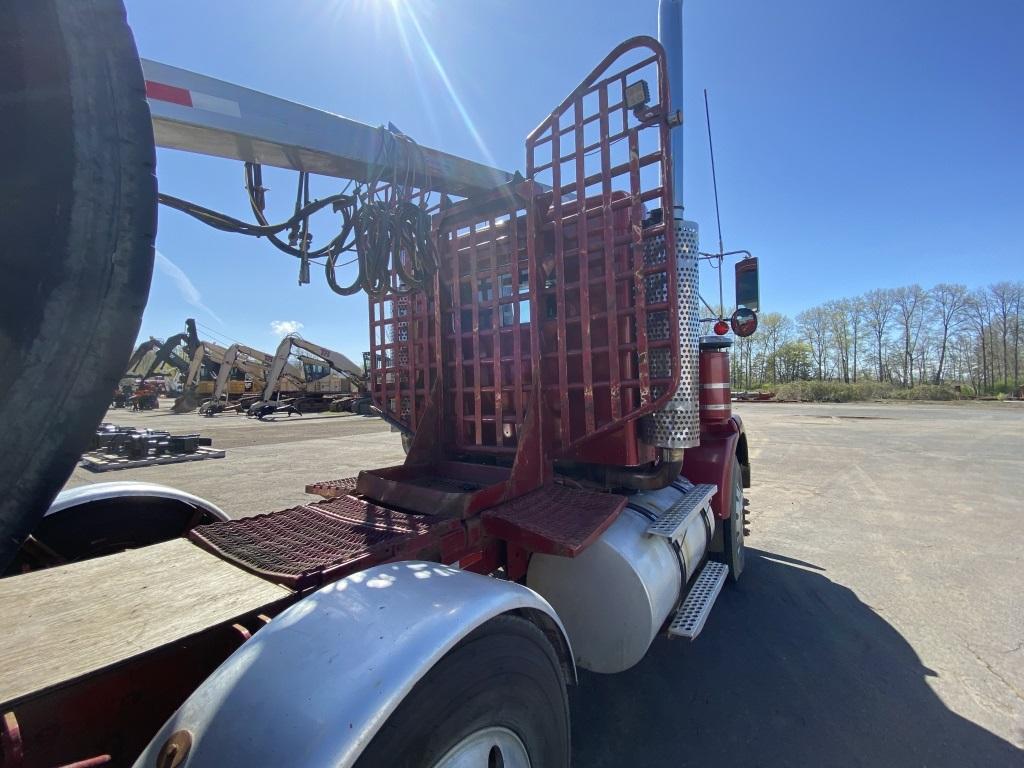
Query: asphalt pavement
x,y
880,621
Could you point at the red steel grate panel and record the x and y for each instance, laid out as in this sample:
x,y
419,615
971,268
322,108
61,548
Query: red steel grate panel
x,y
489,343
404,355
560,281
608,294
296,546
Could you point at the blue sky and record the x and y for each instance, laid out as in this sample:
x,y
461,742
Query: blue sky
x,y
858,144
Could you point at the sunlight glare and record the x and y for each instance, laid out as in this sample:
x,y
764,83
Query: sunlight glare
x,y
405,8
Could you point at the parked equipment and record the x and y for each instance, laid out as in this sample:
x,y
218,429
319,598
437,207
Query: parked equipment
x,y
320,386
165,352
143,398
202,372
573,486
248,361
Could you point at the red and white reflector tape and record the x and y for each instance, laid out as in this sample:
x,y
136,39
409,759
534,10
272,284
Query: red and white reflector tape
x,y
184,97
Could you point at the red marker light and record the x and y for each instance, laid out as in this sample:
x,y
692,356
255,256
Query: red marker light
x,y
721,328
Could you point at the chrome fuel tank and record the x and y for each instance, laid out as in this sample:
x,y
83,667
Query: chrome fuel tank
x,y
615,596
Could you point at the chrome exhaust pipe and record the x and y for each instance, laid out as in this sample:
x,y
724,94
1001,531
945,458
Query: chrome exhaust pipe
x,y
670,35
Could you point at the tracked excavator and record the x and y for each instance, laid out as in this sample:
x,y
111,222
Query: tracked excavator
x,y
166,353
198,380
253,362
318,390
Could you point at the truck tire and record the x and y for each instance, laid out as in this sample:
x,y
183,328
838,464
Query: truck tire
x,y
497,699
78,216
733,538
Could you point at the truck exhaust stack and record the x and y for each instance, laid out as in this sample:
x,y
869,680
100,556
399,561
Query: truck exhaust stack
x,y
677,424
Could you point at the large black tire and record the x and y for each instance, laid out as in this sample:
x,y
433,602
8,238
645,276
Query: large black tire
x,y
733,538
78,217
504,675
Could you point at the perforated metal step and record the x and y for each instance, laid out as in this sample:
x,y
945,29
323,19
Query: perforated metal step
x,y
689,619
676,516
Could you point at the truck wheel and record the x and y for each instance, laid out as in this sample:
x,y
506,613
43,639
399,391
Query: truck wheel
x,y
497,699
733,539
79,220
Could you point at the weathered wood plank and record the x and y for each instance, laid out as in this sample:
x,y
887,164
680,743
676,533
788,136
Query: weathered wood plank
x,y
59,624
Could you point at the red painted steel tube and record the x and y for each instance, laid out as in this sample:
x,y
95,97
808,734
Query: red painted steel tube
x,y
715,392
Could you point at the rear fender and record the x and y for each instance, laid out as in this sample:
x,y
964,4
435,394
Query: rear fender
x,y
85,495
315,685
103,518
711,461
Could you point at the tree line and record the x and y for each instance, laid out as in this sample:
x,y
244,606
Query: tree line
x,y
905,336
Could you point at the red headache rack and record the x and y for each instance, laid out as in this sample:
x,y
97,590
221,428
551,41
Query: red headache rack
x,y
550,328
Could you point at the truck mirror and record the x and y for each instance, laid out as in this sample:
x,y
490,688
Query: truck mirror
x,y
743,321
748,291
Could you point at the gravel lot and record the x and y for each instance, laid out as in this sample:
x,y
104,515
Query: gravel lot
x,y
880,621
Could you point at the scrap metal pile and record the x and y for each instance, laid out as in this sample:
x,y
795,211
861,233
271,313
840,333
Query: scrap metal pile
x,y
139,443
117,447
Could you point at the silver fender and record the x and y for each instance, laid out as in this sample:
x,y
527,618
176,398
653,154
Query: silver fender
x,y
87,494
314,686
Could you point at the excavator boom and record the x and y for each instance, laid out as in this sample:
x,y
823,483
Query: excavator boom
x,y
336,360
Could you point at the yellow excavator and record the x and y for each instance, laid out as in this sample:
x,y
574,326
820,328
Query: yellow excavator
x,y
254,363
327,375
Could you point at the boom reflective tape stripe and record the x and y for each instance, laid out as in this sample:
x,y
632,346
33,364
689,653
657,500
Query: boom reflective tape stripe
x,y
215,104
186,98
173,94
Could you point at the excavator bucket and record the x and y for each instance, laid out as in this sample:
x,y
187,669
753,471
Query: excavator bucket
x,y
186,402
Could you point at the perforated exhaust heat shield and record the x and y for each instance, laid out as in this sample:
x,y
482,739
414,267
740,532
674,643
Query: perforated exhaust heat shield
x,y
677,423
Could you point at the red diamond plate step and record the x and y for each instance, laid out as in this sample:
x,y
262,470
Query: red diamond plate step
x,y
555,519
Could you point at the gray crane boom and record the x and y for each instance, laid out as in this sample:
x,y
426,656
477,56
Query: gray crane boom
x,y
201,114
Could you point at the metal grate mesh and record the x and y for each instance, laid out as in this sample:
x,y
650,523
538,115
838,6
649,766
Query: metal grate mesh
x,y
403,365
549,281
295,546
606,292
489,341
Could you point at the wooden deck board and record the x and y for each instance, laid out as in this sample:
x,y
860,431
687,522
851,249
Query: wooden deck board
x,y
60,624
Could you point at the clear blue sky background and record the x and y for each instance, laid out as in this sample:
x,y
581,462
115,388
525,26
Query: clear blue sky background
x,y
859,144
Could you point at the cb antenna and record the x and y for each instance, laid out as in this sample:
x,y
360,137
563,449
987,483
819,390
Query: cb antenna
x,y
714,177
718,216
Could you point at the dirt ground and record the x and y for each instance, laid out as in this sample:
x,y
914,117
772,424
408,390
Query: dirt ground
x,y
880,621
